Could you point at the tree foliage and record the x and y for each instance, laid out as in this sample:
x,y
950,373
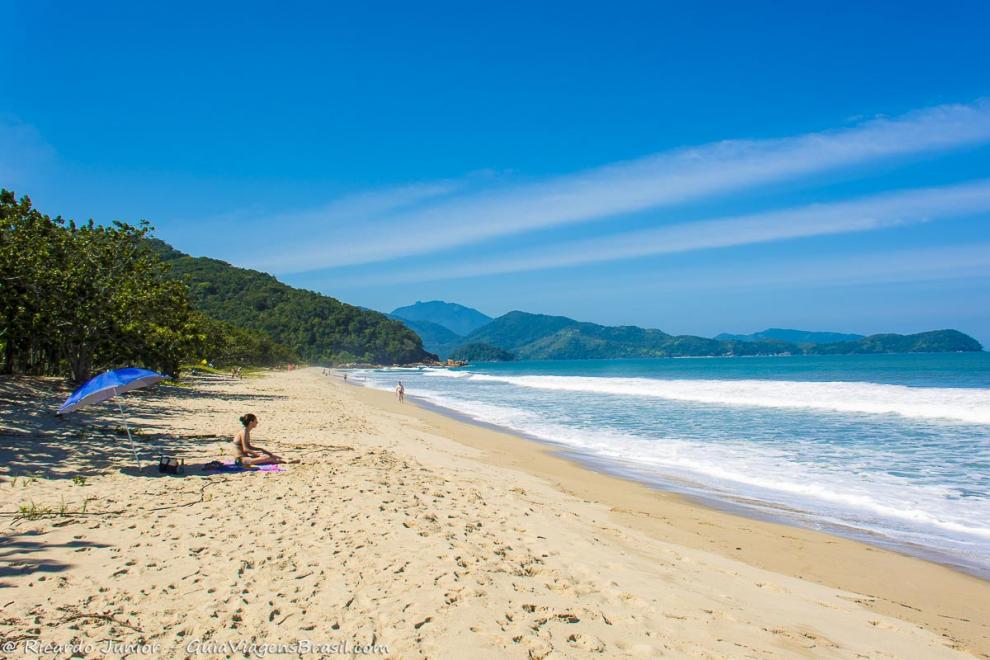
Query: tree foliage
x,y
224,344
481,353
436,338
75,298
319,328
541,337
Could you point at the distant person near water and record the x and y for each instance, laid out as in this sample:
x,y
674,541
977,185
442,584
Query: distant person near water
x,y
245,452
400,392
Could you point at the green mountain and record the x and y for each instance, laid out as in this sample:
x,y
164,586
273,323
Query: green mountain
x,y
542,337
516,329
792,336
481,353
936,341
458,319
319,328
436,338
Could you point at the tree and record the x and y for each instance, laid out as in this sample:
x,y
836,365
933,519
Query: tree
x,y
75,297
123,308
31,245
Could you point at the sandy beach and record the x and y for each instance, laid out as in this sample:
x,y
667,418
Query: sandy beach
x,y
417,534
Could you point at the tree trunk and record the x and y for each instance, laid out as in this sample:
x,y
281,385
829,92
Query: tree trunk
x,y
80,363
8,357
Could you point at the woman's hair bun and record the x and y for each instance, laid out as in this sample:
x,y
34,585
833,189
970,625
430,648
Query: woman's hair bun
x,y
247,419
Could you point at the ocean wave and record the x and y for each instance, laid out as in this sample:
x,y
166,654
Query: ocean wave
x,y
907,484
447,373
747,470
969,405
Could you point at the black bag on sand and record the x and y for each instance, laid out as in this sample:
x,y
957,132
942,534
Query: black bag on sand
x,y
171,465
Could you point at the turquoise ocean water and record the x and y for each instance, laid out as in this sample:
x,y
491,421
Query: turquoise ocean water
x,y
892,449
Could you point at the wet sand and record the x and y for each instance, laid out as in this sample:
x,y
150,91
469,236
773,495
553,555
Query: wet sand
x,y
402,527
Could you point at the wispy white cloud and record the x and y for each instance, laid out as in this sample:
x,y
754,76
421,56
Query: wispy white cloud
x,y
865,214
343,215
254,237
664,179
323,226
713,282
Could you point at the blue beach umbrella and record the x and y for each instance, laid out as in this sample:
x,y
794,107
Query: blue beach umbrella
x,y
108,385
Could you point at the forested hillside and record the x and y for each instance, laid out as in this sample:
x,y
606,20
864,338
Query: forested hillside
x,y
542,337
792,336
76,298
481,353
319,328
935,341
436,338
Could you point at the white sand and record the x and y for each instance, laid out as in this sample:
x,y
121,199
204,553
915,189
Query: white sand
x,y
390,531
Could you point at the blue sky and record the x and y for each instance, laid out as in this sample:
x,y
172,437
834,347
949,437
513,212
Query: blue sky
x,y
698,167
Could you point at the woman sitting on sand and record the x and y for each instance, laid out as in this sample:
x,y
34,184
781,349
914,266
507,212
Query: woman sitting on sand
x,y
248,454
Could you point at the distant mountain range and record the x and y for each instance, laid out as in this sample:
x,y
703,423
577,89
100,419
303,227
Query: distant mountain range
x,y
526,336
792,336
323,330
458,319
436,338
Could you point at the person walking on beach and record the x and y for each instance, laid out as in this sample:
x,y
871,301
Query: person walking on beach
x,y
400,392
246,453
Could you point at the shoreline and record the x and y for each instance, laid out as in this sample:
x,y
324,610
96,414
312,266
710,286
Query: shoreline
x,y
442,365
739,506
940,597
810,493
395,525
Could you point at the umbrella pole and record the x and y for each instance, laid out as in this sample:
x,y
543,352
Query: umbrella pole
x,y
126,426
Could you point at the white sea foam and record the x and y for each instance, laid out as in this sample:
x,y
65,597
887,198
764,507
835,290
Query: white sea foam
x,y
447,373
855,485
970,405
754,472
746,469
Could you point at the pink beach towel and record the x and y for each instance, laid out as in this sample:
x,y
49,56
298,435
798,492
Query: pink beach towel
x,y
231,466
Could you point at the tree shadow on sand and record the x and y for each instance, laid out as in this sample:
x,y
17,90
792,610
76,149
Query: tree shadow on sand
x,y
22,554
34,441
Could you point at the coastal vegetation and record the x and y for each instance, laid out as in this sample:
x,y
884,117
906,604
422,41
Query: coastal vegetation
x,y
528,336
479,352
935,341
228,344
320,329
79,297
792,336
543,337
436,338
